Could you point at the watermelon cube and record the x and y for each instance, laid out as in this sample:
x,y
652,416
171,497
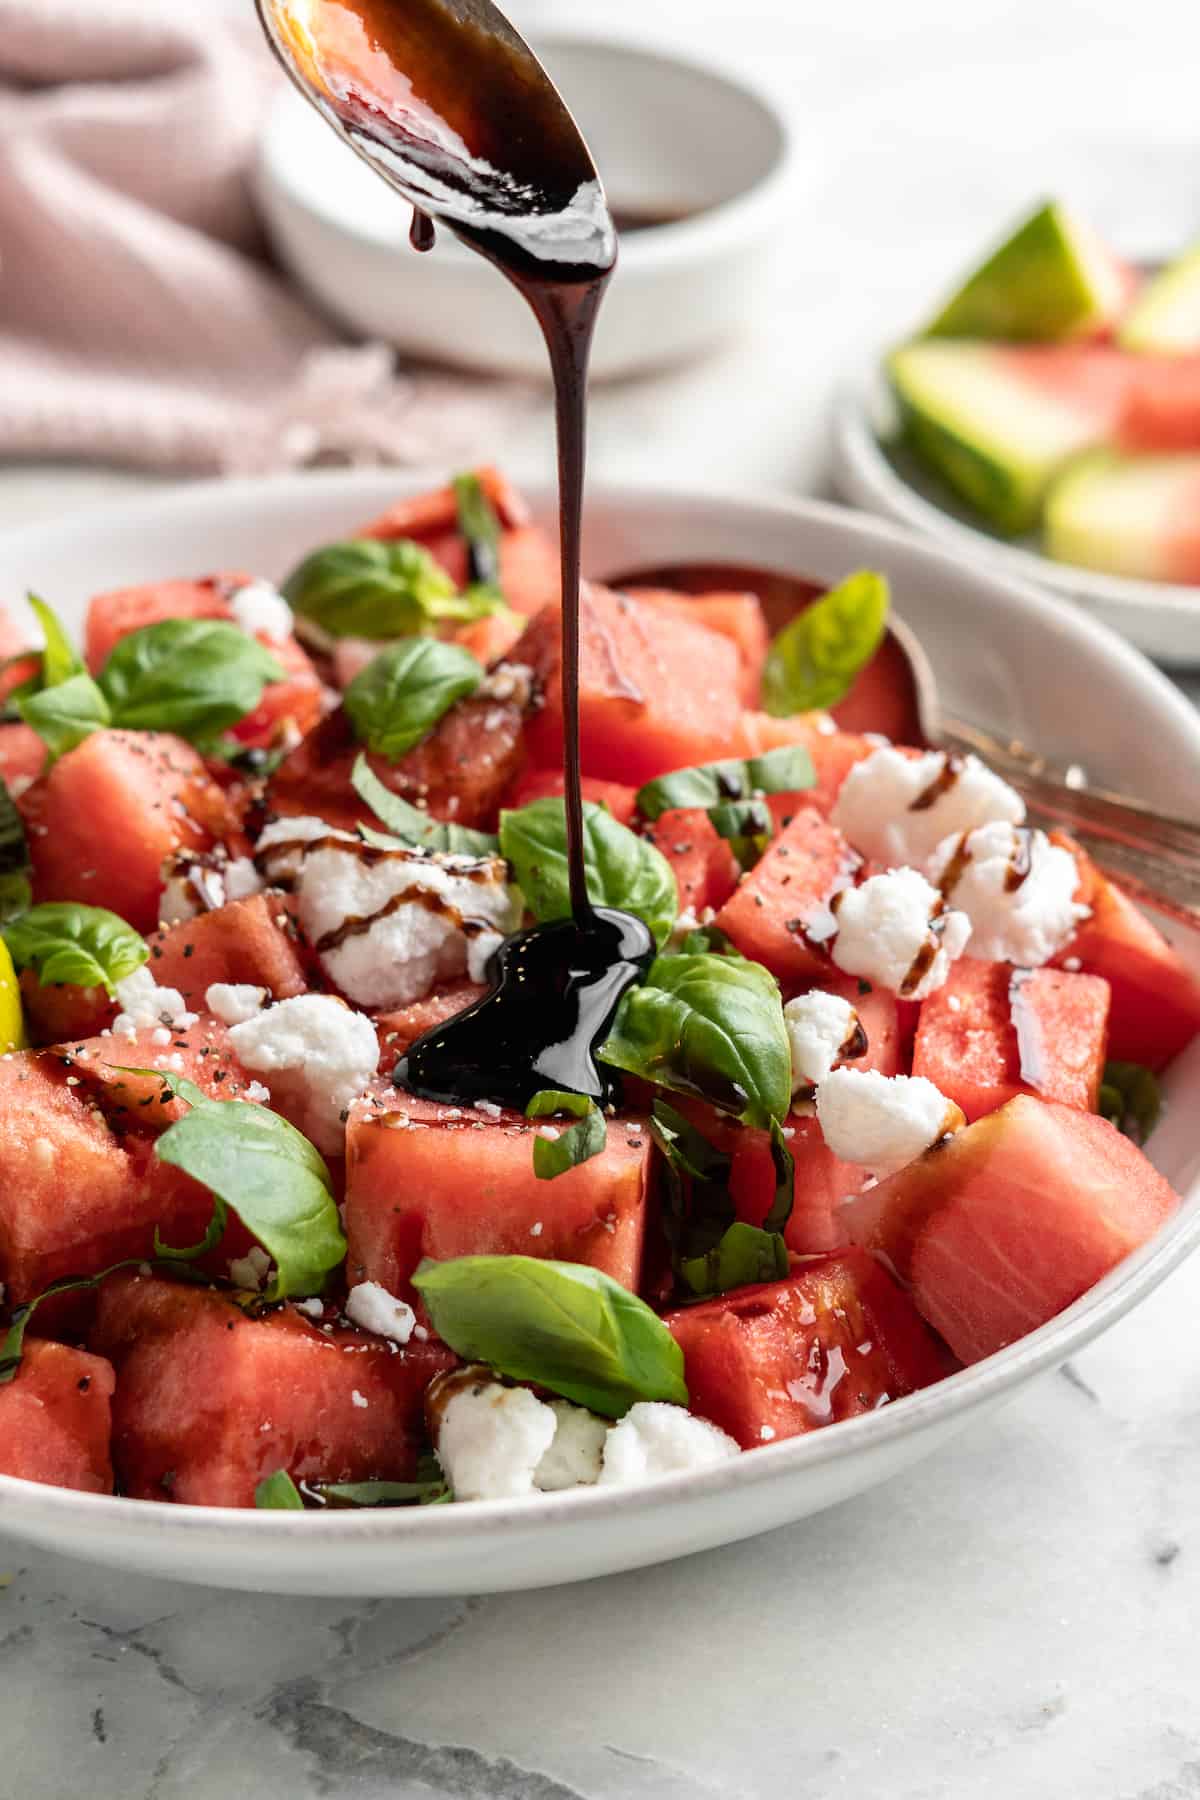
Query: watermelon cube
x,y
822,1182
103,821
210,1401
657,691
993,1031
1001,1226
22,755
429,1180
838,1337
739,617
705,868
61,1011
400,1029
545,784
780,915
243,942
56,1418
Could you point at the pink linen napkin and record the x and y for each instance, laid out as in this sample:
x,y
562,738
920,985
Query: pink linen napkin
x,y
140,320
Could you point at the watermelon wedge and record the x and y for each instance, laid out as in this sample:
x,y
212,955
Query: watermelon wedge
x,y
1128,515
1164,320
1001,1226
56,1419
248,941
780,914
1052,278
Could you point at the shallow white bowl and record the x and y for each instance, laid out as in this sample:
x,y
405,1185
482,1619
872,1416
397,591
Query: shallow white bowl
x,y
1005,651
876,471
668,134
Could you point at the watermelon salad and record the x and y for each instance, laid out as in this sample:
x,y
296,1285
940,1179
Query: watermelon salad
x,y
1058,392
882,1092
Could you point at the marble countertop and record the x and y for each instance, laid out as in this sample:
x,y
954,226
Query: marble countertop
x,y
1017,1615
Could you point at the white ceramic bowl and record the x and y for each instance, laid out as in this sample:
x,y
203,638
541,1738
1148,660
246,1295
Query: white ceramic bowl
x,y
668,134
874,470
1020,659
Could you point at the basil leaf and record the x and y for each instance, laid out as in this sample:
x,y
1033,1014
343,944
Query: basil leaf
x,y
86,946
747,826
814,661
379,1493
479,525
745,1254
565,1326
411,827
193,677
278,1493
785,771
399,697
266,1172
1131,1099
574,1144
371,589
623,870
14,857
711,1026
60,660
64,715
709,940
697,1206
785,1181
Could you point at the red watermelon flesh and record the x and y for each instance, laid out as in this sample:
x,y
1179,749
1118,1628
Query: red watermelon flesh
x,y
400,1029
992,1032
705,868
822,1182
210,1402
1004,1224
541,784
243,942
435,512
835,1339
1162,407
739,617
56,1419
780,912
428,1180
103,821
22,755
834,753
54,1014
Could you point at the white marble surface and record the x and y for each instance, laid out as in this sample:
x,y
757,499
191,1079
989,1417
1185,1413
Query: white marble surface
x,y
1017,1616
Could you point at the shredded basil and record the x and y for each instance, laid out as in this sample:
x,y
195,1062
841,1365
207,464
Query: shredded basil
x,y
787,770
1131,1099
409,827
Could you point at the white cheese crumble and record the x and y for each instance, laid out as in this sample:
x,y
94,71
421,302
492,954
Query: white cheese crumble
x,y
145,1006
491,1440
460,911
507,681
358,1399
242,879
1017,889
251,1270
882,1121
370,1306
879,805
204,883
819,1025
233,1002
575,1453
260,610
657,1439
895,929
316,1055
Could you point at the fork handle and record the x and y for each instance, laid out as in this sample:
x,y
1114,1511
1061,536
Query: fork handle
x,y
1153,855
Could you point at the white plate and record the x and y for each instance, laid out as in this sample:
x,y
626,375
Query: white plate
x,y
1006,652
875,470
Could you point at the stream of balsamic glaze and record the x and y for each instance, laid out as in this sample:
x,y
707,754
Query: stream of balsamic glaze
x,y
448,104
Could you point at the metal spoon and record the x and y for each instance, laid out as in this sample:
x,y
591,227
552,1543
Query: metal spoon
x,y
1155,856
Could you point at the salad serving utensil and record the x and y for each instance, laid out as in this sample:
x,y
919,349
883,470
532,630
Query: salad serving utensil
x,y
1154,855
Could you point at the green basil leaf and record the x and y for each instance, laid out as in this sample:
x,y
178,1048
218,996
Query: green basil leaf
x,y
60,659
366,588
409,826
709,940
623,870
565,1326
64,715
379,1493
193,677
711,1026
266,1172
788,770
815,660
216,1225
745,1254
785,1181
746,825
399,697
576,1143
479,525
86,946
1131,1099
14,858
697,1205
278,1493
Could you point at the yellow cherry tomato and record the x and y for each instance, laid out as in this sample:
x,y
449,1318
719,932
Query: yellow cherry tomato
x,y
12,1023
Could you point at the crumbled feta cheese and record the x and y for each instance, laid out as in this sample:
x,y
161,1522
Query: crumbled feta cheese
x,y
144,1006
507,681
160,1037
491,1440
312,1309
895,929
574,1456
358,1399
536,1229
242,879
251,1270
260,610
820,1026
395,953
882,1121
257,1094
370,1306
657,1439
233,1002
1017,889
766,1433
896,808
317,1057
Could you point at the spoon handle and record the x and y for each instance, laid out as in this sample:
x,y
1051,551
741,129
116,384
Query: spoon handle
x,y
1154,856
